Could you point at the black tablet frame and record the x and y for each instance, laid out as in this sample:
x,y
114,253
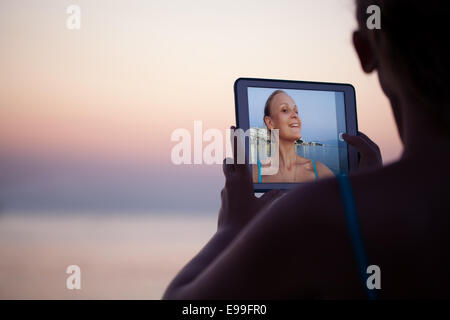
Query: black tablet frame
x,y
243,121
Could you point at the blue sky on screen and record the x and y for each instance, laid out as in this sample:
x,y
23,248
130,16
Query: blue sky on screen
x,y
317,110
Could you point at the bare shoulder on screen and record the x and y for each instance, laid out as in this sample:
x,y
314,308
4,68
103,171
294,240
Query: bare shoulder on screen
x,y
323,171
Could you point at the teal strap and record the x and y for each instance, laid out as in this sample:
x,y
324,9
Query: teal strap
x,y
315,169
355,235
259,172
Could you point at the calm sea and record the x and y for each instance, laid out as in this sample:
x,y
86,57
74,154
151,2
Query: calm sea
x,y
121,255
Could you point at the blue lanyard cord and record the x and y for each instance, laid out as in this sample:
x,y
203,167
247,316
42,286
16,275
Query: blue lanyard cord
x,y
315,169
355,235
259,172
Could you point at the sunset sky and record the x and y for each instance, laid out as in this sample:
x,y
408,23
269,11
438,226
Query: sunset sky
x,y
86,115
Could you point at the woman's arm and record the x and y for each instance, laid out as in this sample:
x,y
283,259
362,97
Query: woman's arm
x,y
238,207
296,247
278,246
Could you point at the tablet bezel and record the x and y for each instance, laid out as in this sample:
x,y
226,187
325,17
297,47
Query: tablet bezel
x,y
243,121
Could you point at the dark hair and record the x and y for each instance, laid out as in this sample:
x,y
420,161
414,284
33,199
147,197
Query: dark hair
x,y
269,102
417,47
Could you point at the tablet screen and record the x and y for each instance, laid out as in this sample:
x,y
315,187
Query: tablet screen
x,y
309,122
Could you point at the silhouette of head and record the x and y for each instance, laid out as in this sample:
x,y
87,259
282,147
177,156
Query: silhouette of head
x,y
410,56
280,112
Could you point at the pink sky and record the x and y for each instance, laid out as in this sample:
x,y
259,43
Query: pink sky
x,y
112,92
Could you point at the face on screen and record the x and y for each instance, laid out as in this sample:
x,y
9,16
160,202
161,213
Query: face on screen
x,y
295,134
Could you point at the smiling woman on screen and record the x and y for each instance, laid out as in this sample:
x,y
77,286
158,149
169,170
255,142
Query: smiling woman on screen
x,y
281,112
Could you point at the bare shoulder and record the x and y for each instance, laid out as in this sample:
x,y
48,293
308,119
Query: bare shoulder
x,y
300,245
323,171
400,225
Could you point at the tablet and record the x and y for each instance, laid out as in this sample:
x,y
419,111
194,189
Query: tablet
x,y
294,130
